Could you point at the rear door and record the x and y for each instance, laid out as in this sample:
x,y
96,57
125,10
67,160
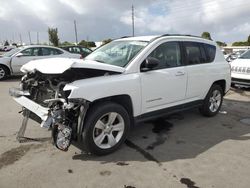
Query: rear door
x,y
200,69
48,52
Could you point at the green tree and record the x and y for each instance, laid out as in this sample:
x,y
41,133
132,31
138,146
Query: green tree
x,y
87,44
53,36
222,44
248,40
206,35
91,44
106,41
240,43
83,43
66,43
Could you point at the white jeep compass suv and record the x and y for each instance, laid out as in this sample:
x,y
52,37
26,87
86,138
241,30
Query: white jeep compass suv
x,y
241,70
96,100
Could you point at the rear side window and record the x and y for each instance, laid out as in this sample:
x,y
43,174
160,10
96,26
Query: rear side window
x,y
194,53
210,52
198,53
50,51
75,50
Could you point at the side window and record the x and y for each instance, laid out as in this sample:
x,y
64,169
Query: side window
x,y
169,55
86,50
75,50
45,51
210,52
31,52
193,53
57,52
50,51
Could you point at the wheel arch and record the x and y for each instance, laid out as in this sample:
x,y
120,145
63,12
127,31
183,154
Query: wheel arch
x,y
222,84
124,100
7,68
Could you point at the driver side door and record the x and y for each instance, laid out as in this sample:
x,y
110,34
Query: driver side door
x,y
28,54
165,85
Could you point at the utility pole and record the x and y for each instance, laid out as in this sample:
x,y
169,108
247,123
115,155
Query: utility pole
x,y
76,32
133,21
13,37
37,37
29,37
21,41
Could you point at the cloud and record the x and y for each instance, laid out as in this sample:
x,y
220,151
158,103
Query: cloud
x,y
221,18
97,20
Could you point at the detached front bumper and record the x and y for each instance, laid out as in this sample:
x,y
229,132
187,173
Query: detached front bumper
x,y
19,97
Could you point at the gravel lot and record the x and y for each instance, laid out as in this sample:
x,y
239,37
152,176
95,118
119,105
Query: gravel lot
x,y
186,150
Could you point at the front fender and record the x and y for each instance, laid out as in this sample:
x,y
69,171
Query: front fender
x,y
106,86
6,62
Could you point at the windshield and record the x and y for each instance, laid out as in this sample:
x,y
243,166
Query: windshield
x,y
245,55
11,52
118,53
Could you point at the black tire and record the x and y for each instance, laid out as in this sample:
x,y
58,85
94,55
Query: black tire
x,y
3,72
94,114
205,108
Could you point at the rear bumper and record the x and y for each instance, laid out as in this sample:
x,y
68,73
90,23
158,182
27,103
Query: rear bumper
x,y
242,82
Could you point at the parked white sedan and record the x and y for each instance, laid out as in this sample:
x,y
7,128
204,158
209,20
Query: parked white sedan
x,y
12,61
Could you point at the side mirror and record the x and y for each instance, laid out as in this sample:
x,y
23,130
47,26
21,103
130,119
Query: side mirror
x,y
19,55
149,63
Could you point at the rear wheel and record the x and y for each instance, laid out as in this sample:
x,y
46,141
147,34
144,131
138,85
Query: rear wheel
x,y
107,126
213,101
3,72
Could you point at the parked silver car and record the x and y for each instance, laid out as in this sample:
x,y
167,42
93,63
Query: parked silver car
x,y
12,61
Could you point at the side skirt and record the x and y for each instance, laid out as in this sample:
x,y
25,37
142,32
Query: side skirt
x,y
167,111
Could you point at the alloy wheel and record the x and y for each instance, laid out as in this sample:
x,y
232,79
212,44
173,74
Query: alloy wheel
x,y
108,130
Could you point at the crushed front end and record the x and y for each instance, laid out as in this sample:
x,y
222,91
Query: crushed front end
x,y
43,100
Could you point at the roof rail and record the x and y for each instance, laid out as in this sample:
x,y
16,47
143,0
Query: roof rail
x,y
185,35
125,37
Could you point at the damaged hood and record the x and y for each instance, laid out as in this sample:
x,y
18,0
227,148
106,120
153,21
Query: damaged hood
x,y
60,65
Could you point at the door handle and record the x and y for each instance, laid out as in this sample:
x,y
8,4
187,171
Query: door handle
x,y
180,73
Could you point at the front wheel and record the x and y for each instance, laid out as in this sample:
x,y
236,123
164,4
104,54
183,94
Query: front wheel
x,y
213,101
3,72
107,126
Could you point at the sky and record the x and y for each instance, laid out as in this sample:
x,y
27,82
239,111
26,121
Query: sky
x,y
227,21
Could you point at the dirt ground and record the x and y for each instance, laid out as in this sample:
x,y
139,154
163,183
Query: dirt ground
x,y
186,150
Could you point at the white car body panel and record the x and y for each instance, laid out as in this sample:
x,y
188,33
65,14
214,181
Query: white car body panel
x,y
100,87
18,62
158,89
243,63
42,112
